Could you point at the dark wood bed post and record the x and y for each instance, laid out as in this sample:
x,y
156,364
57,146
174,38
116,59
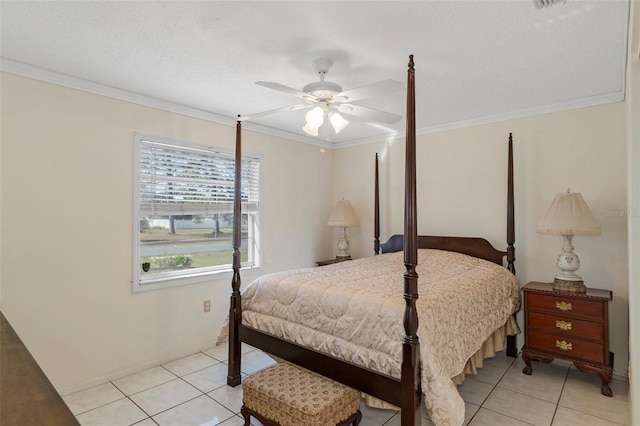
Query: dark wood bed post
x,y
410,371
235,305
511,232
512,346
376,213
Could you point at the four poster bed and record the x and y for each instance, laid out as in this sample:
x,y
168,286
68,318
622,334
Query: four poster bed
x,y
345,321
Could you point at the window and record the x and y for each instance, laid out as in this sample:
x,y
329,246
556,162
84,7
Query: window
x,y
184,212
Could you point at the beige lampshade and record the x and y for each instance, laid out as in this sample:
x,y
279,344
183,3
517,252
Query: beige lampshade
x,y
343,215
569,215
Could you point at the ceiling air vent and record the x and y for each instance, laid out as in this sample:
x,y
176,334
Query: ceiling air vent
x,y
546,3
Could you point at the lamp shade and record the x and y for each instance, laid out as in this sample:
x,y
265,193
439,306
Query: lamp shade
x,y
569,215
343,215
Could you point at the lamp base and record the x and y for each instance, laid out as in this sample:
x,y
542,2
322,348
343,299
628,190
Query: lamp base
x,y
570,286
343,245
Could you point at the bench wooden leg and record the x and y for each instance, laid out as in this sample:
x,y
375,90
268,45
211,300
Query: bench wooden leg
x,y
353,420
246,415
248,412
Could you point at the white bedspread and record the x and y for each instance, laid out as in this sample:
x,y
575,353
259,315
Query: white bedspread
x,y
353,311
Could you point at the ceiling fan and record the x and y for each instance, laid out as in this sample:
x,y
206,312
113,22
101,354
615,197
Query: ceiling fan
x,y
326,101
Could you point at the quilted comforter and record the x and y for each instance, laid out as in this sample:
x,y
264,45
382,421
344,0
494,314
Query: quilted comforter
x,y
353,311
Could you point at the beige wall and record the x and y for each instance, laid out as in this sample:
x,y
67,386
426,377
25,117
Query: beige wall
x,y
66,178
462,191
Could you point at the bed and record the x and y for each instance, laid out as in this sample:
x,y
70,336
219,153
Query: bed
x,y
348,322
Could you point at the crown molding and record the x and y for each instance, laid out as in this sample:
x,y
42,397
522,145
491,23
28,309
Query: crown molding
x,y
512,115
52,77
529,112
100,89
104,90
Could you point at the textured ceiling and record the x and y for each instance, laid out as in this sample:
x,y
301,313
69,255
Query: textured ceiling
x,y
476,61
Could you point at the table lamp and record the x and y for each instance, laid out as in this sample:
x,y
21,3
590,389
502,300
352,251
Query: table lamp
x,y
343,216
569,215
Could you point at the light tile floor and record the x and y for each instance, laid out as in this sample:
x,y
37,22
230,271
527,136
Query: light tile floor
x,y
193,391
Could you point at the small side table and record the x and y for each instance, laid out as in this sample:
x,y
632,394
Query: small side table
x,y
568,325
332,261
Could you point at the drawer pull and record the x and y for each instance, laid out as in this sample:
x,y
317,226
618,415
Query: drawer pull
x,y
563,306
563,325
564,346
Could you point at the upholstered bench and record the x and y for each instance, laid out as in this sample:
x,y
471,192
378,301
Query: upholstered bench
x,y
287,395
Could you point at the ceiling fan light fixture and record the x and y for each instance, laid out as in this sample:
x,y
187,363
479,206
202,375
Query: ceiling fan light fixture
x,y
337,121
546,3
314,119
313,131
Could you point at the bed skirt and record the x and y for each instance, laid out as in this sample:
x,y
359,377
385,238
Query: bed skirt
x,y
495,343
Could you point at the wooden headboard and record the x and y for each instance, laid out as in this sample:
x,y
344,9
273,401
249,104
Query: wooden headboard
x,y
476,247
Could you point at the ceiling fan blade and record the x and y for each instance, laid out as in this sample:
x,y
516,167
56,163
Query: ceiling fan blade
x,y
274,111
380,88
369,114
286,89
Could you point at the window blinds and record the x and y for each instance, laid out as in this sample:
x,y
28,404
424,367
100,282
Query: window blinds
x,y
177,180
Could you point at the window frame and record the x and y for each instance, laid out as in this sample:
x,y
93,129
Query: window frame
x,y
180,278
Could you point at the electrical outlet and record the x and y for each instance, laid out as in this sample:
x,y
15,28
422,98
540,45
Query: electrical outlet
x,y
207,305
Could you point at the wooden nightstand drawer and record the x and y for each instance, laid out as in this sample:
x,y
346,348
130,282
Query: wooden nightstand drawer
x,y
564,305
566,346
564,326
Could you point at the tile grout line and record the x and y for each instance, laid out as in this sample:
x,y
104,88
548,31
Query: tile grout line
x,y
102,405
502,414
134,403
511,365
160,384
494,386
183,402
564,383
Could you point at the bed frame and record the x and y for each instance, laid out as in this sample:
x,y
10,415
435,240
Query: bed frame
x,y
405,392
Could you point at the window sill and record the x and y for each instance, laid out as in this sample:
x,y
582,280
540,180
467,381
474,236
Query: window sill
x,y
203,277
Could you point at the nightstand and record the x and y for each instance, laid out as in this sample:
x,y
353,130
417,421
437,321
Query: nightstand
x,y
568,325
332,261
